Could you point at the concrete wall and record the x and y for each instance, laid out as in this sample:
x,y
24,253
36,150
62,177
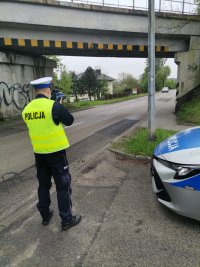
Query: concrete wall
x,y
188,71
16,71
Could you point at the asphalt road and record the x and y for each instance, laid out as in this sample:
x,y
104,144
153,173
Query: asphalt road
x,y
122,225
16,152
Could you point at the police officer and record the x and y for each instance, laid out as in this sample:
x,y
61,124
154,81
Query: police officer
x,y
43,118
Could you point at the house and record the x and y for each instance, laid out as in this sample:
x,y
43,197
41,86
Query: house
x,y
108,79
100,76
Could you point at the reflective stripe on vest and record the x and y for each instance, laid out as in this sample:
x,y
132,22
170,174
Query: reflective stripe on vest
x,y
46,136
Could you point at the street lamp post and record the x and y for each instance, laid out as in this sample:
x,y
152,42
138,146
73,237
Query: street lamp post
x,y
151,71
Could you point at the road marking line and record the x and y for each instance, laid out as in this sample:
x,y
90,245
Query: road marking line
x,y
110,113
73,125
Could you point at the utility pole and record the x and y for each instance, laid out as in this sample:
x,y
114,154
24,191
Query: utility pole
x,y
160,6
183,7
151,71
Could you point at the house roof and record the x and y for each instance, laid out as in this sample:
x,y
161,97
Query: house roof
x,y
104,77
100,76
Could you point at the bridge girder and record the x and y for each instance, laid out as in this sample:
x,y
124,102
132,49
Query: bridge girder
x,y
51,27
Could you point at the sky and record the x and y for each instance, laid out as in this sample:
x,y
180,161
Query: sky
x,y
112,66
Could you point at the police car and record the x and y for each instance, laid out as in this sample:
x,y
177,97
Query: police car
x,y
175,172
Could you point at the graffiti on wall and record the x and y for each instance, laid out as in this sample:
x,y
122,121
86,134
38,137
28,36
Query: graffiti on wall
x,y
192,67
17,95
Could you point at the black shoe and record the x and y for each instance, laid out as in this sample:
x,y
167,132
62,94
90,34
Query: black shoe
x,y
46,221
74,221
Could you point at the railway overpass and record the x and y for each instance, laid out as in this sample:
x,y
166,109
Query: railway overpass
x,y
31,28
61,28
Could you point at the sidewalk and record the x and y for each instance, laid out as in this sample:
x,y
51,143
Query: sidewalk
x,y
169,122
122,224
11,123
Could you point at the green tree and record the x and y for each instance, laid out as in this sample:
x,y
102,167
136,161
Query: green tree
x,y
170,83
101,89
161,74
75,85
89,82
198,6
129,82
65,82
159,63
117,87
56,71
62,79
56,81
144,79
59,64
125,82
165,72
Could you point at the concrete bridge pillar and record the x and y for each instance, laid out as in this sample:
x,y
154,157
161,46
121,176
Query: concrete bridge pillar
x,y
188,72
16,71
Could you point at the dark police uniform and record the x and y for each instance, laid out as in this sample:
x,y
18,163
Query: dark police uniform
x,y
44,119
56,165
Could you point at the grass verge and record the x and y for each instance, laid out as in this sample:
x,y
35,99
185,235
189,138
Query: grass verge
x,y
138,143
189,112
87,104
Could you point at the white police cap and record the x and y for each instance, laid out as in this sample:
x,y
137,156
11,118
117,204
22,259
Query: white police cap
x,y
41,83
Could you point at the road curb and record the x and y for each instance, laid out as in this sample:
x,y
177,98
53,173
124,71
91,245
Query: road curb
x,y
130,156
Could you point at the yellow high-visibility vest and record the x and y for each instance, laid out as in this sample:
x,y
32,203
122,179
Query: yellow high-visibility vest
x,y
46,136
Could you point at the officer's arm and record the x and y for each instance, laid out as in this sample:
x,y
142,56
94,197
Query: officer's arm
x,y
61,114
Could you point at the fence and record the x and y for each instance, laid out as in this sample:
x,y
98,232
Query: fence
x,y
169,6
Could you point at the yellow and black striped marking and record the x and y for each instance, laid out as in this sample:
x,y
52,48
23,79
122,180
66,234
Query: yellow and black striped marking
x,y
43,45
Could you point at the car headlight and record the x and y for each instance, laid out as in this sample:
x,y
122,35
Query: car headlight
x,y
182,171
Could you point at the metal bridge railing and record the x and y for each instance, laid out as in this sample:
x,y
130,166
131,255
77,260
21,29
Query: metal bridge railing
x,y
170,6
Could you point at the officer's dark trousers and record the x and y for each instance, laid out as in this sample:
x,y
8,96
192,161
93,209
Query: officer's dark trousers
x,y
56,165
